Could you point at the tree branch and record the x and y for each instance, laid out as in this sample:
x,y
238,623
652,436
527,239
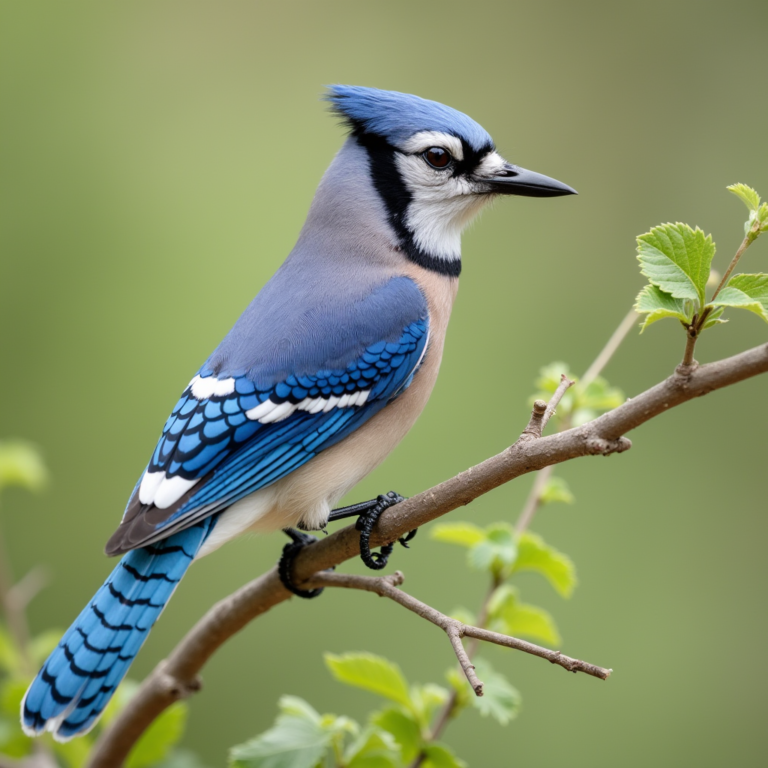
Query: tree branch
x,y
177,677
386,586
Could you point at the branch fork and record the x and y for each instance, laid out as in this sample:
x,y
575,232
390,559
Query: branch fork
x,y
387,586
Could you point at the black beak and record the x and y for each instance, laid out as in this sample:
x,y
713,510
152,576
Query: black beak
x,y
513,180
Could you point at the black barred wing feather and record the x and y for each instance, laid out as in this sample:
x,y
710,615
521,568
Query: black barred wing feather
x,y
226,438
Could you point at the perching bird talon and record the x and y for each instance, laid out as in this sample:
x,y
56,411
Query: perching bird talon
x,y
408,537
298,541
377,560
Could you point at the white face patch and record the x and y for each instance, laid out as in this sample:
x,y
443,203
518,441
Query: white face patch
x,y
441,206
202,389
269,411
422,141
490,165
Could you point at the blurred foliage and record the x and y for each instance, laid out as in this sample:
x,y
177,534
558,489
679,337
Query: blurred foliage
x,y
22,465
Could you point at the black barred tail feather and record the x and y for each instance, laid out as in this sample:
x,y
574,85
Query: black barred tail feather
x,y
78,679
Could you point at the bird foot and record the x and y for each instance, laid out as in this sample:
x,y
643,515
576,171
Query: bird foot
x,y
298,541
365,522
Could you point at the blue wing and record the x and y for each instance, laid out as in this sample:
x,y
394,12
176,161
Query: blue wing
x,y
230,435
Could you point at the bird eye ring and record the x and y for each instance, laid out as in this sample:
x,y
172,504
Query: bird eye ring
x,y
437,157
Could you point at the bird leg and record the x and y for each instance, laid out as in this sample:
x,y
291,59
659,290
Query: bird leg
x,y
298,541
368,512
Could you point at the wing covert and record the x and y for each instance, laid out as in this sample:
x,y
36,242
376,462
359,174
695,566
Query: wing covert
x,y
227,437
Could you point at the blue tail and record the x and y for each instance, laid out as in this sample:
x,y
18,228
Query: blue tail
x,y
78,679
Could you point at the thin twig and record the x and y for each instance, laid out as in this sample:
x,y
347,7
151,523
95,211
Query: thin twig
x,y
533,502
608,351
564,385
749,238
15,616
386,587
26,589
605,435
689,363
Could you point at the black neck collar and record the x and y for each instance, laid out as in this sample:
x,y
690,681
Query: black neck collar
x,y
396,197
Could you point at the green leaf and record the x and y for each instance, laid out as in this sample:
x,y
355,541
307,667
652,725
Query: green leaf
x,y
556,490
439,756
22,465
500,700
746,194
657,305
403,728
374,748
510,616
677,259
550,377
762,217
293,742
426,699
371,673
13,742
497,552
746,292
298,707
463,534
535,623
12,693
548,381
125,692
464,693
715,318
535,555
598,396
157,741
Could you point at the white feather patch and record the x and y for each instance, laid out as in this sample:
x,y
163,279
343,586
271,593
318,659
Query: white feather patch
x,y
441,206
279,412
268,411
202,389
149,485
422,141
171,490
257,413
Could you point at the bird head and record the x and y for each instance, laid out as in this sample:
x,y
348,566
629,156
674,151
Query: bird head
x,y
433,166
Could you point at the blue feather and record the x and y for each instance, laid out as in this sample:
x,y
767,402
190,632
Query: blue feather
x,y
398,116
81,674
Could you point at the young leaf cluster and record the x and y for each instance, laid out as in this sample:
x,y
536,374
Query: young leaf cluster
x,y
500,552
579,404
392,737
677,260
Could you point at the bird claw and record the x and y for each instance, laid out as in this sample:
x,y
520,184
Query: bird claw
x,y
298,541
378,560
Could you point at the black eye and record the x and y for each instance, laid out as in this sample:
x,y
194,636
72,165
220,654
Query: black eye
x,y
437,157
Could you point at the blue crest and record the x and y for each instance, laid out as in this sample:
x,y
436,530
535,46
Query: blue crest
x,y
398,116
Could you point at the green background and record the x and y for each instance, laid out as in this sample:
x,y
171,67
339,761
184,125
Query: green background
x,y
158,160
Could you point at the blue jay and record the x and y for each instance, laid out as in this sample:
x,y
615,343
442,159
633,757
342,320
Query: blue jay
x,y
320,378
